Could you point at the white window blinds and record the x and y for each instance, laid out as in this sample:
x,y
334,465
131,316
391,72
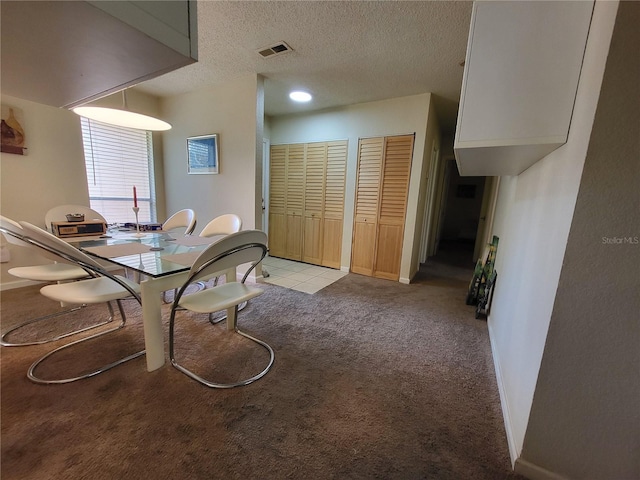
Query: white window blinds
x,y
117,159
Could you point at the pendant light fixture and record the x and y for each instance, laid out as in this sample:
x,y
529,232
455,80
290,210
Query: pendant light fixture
x,y
122,117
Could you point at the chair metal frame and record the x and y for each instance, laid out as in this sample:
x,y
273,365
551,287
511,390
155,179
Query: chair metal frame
x,y
46,241
202,269
17,238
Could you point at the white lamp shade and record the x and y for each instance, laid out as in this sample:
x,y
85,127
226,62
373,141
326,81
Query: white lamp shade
x,y
122,118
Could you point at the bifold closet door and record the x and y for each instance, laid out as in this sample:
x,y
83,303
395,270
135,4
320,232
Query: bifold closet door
x,y
286,201
295,178
306,201
315,165
370,152
277,200
333,215
382,185
396,171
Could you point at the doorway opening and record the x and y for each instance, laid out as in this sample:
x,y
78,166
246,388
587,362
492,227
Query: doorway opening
x,y
462,220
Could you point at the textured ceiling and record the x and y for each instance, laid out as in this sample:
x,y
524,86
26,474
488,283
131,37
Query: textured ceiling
x,y
344,52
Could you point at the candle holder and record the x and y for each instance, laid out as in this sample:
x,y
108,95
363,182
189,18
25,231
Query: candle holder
x,y
137,234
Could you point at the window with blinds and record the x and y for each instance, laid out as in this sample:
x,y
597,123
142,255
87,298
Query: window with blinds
x,y
117,159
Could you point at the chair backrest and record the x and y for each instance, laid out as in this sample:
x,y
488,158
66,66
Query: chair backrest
x,y
223,225
49,242
59,214
184,218
12,231
53,244
15,235
248,246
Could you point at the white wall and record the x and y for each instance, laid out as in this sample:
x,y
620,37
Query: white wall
x,y
585,417
51,173
533,217
230,110
398,116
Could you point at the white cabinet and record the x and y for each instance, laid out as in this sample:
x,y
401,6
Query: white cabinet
x,y
65,54
521,75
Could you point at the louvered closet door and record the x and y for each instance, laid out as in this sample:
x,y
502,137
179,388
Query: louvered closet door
x,y
370,151
277,201
396,170
315,163
295,201
334,204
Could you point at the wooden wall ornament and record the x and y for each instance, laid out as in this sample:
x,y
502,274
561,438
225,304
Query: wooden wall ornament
x,y
12,134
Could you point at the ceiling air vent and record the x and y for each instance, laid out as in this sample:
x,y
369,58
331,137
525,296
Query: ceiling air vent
x,y
276,49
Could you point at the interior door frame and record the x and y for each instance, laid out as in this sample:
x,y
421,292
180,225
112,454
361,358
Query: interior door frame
x,y
487,213
266,174
442,190
429,210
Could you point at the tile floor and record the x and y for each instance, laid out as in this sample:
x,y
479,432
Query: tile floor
x,y
299,276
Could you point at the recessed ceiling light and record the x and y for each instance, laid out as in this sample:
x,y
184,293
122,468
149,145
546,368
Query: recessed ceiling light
x,y
300,96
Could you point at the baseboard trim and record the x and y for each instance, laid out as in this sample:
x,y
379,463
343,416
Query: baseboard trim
x,y
514,450
17,284
535,472
344,269
406,281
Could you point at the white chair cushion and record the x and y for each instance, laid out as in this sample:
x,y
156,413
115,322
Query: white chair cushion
x,y
218,298
94,290
50,272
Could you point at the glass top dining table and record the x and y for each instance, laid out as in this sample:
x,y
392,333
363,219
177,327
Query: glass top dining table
x,y
164,261
154,254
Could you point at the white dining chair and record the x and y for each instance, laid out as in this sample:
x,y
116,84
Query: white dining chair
x,y
102,287
222,225
61,271
249,246
59,214
225,224
185,218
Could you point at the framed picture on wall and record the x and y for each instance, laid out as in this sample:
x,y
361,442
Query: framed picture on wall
x,y
202,155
